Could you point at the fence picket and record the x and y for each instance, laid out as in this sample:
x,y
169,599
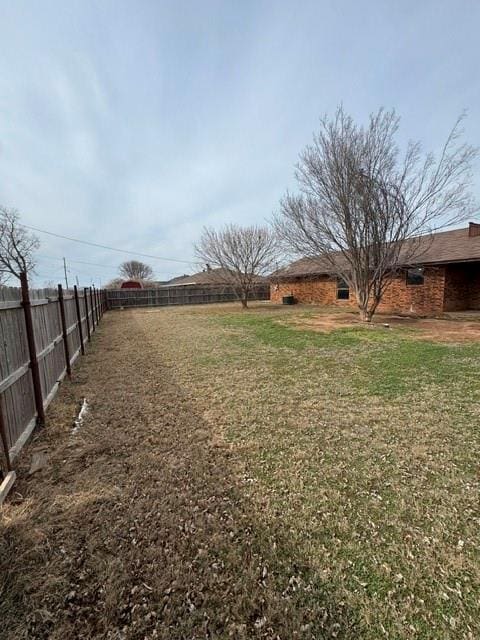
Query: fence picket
x,y
180,295
41,335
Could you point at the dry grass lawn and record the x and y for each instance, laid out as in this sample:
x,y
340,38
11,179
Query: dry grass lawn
x,y
273,473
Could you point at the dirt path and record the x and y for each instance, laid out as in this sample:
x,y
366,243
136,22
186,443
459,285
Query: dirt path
x,y
140,525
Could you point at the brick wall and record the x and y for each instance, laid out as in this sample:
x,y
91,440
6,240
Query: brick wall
x,y
321,290
426,299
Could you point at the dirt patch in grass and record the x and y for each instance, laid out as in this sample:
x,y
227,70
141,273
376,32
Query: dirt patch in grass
x,y
434,329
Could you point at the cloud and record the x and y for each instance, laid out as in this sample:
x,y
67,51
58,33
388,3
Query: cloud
x,y
135,125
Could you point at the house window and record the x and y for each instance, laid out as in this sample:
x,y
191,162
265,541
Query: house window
x,y
343,290
415,276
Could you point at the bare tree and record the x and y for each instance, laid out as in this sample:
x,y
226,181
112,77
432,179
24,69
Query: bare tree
x,y
241,255
135,270
17,245
363,205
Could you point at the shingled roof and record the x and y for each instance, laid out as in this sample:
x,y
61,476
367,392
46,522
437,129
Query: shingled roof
x,y
211,276
459,245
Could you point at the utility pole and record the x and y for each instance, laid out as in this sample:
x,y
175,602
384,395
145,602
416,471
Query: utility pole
x,y
78,284
65,272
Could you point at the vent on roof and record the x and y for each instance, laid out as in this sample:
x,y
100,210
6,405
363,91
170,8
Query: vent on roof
x,y
473,229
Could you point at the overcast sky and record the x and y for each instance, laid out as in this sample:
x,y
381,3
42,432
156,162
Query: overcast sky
x,y
134,124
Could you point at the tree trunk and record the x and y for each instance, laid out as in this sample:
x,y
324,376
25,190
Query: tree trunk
x,y
363,306
365,315
245,303
368,311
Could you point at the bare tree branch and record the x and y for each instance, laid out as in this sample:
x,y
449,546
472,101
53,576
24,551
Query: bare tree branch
x,y
17,245
362,206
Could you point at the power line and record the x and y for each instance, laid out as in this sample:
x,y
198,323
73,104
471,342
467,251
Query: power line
x,y
91,264
103,246
43,257
53,266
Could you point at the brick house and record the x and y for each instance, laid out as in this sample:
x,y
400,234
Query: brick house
x,y
446,277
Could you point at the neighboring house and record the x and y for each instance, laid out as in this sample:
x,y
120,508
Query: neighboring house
x,y
131,284
445,277
173,281
207,277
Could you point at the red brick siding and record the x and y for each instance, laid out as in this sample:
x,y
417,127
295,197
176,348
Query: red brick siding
x,y
419,299
399,297
321,290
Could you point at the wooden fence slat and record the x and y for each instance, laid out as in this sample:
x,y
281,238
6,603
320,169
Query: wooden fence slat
x,y
13,377
180,295
41,335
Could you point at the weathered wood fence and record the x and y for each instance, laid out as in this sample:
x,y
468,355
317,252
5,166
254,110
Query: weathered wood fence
x,y
188,294
42,332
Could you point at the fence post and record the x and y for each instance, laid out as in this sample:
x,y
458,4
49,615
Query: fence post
x,y
61,302
79,319
92,309
85,298
3,435
32,349
95,297
94,306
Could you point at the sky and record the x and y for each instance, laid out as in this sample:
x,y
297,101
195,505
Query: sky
x,y
134,124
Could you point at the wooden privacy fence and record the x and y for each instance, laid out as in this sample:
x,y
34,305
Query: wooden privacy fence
x,y
42,332
188,294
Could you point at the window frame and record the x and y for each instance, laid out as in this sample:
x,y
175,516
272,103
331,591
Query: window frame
x,y
420,275
342,289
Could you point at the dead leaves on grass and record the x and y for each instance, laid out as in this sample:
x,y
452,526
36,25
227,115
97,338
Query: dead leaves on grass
x,y
142,528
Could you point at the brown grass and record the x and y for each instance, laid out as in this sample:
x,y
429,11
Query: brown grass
x,y
141,525
236,478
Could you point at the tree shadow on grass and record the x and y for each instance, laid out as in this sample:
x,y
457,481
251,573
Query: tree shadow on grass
x,y
143,528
